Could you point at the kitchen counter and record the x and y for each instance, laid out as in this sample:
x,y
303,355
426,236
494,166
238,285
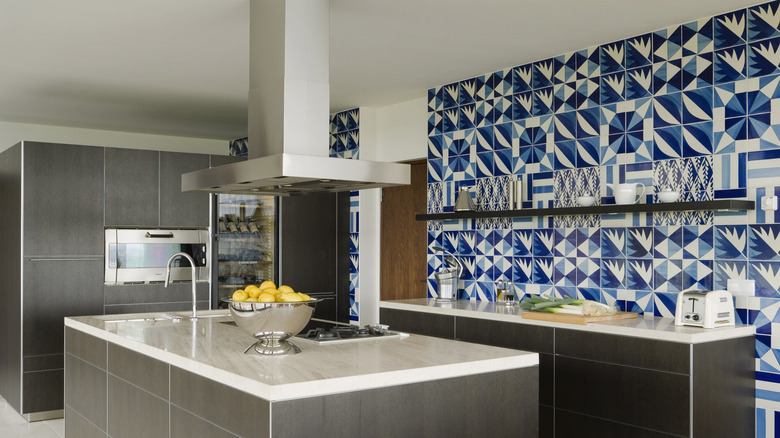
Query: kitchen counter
x,y
630,377
214,350
648,327
393,384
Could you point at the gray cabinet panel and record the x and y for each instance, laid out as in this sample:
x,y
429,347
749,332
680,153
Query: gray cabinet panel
x,y
10,281
85,347
149,374
569,424
80,427
127,404
63,199
506,334
640,397
177,208
42,391
725,396
54,289
440,326
132,188
624,350
186,425
187,392
308,230
482,405
86,390
43,362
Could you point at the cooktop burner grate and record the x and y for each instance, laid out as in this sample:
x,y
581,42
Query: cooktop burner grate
x,y
325,331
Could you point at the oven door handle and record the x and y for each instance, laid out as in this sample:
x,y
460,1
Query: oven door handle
x,y
159,235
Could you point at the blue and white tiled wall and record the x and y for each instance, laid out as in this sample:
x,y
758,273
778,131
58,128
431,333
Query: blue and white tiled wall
x,y
345,143
693,107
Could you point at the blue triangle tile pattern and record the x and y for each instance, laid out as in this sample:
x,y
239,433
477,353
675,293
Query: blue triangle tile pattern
x,y
692,107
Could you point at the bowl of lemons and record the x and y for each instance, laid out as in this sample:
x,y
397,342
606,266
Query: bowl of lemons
x,y
272,315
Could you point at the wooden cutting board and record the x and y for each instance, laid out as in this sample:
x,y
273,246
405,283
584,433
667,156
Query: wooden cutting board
x,y
576,319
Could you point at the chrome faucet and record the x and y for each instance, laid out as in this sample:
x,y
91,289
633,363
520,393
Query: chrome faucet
x,y
194,276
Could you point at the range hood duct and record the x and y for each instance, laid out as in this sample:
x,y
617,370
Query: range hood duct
x,y
289,95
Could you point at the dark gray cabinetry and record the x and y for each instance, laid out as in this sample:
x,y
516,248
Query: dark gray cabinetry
x,y
440,326
143,189
62,265
10,280
520,337
604,385
63,199
54,289
178,209
313,244
56,200
132,188
111,388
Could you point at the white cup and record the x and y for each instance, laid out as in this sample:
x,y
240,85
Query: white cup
x,y
626,193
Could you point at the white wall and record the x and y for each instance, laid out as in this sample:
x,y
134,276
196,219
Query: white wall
x,y
12,133
393,133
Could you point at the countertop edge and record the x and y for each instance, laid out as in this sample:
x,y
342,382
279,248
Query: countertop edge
x,y
323,387
687,335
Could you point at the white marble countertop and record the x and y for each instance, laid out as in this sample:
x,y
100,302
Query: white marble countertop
x,y
648,327
209,348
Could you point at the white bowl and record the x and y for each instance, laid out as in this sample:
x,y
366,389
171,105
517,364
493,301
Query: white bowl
x,y
586,201
668,196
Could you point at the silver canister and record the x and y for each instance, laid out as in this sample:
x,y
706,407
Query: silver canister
x,y
519,193
447,283
511,195
447,277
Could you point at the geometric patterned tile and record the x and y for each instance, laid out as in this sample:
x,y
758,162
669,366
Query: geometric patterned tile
x,y
668,275
668,242
613,242
693,107
639,242
639,274
730,242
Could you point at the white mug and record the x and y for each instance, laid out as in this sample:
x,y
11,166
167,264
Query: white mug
x,y
626,193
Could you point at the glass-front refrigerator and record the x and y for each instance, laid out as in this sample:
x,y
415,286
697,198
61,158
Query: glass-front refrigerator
x,y
245,244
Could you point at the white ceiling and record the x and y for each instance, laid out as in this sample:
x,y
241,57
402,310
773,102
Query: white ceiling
x,y
180,67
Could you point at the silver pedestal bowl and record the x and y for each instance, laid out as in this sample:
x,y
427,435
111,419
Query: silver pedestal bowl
x,y
272,323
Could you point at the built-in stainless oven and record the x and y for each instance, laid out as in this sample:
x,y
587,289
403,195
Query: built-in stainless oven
x,y
141,255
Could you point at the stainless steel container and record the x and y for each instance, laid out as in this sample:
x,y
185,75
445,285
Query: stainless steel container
x,y
447,277
447,282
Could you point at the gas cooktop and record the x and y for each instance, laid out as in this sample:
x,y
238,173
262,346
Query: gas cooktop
x,y
324,332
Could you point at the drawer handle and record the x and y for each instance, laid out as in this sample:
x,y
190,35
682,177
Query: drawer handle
x,y
161,235
64,259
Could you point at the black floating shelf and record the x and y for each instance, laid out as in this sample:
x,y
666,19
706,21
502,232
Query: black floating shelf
x,y
718,205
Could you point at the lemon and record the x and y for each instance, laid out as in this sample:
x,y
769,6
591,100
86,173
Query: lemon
x,y
251,299
267,284
290,297
265,297
284,288
304,297
252,291
239,295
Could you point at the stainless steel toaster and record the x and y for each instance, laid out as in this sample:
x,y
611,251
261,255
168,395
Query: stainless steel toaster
x,y
706,309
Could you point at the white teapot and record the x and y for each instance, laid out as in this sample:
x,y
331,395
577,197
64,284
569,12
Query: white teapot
x,y
626,193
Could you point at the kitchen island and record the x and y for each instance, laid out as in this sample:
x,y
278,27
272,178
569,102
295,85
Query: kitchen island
x,y
149,375
633,377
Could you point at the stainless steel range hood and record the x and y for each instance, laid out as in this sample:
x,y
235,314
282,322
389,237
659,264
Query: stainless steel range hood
x,y
289,111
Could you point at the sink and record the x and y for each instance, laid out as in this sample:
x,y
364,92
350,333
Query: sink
x,y
158,318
